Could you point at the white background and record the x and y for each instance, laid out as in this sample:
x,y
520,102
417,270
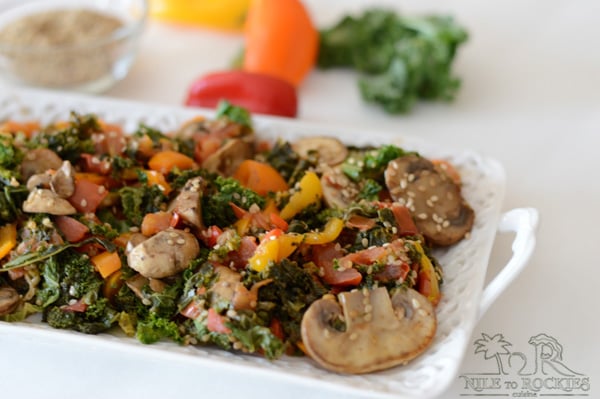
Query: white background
x,y
530,98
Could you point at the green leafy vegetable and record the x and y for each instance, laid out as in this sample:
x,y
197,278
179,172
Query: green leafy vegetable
x,y
234,113
10,155
402,58
155,328
138,201
216,208
70,142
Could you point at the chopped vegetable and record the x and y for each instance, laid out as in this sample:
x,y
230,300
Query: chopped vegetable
x,y
107,263
281,40
402,58
259,177
8,239
309,192
259,93
139,234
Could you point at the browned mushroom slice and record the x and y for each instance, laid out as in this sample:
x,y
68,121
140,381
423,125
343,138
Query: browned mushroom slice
x,y
338,190
42,200
187,204
164,254
434,199
63,181
368,330
227,159
330,151
9,300
39,160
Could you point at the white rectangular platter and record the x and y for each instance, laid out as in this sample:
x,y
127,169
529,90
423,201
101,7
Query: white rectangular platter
x,y
464,264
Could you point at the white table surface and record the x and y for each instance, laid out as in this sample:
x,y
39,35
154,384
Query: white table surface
x,y
530,98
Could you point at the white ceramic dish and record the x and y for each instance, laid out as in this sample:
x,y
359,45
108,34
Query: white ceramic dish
x,y
464,296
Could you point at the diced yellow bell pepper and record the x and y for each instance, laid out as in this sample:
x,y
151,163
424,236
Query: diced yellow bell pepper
x,y
8,239
332,230
310,192
158,179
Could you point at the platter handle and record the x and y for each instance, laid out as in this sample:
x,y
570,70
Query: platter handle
x,y
523,222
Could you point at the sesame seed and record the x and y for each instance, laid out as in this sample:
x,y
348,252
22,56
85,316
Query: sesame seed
x,y
170,242
416,304
353,336
365,242
231,313
422,312
237,345
173,234
101,189
368,308
411,177
134,229
422,216
83,203
395,165
180,241
326,333
445,224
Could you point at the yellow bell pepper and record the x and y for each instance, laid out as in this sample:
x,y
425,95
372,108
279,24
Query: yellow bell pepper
x,y
8,239
310,192
267,251
427,282
288,244
223,14
332,230
274,247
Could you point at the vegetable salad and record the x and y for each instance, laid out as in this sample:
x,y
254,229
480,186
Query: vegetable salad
x,y
208,235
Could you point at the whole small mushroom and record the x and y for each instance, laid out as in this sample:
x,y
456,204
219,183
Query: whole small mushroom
x,y
226,159
378,332
164,254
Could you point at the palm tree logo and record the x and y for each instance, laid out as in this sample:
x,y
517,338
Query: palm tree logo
x,y
493,347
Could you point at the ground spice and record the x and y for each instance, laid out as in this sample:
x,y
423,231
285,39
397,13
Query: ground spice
x,y
60,47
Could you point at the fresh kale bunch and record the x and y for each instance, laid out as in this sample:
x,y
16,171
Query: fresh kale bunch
x,y
402,58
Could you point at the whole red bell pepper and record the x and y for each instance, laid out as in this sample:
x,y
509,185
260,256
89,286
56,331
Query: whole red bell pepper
x,y
258,93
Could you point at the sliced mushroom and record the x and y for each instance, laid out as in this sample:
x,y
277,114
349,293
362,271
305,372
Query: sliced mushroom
x,y
330,151
187,204
380,332
227,159
9,300
39,180
63,181
164,254
434,199
42,200
338,190
39,160
229,289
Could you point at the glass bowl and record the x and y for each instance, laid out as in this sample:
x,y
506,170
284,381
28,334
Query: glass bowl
x,y
69,44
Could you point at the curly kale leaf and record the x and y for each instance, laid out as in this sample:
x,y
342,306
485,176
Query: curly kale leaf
x,y
10,155
68,277
402,58
138,201
12,197
154,328
287,162
216,208
292,290
70,142
371,164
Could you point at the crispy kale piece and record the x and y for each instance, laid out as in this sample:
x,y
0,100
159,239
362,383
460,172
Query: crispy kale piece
x,y
287,162
71,141
402,58
292,290
12,197
138,201
69,277
235,114
10,155
216,208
